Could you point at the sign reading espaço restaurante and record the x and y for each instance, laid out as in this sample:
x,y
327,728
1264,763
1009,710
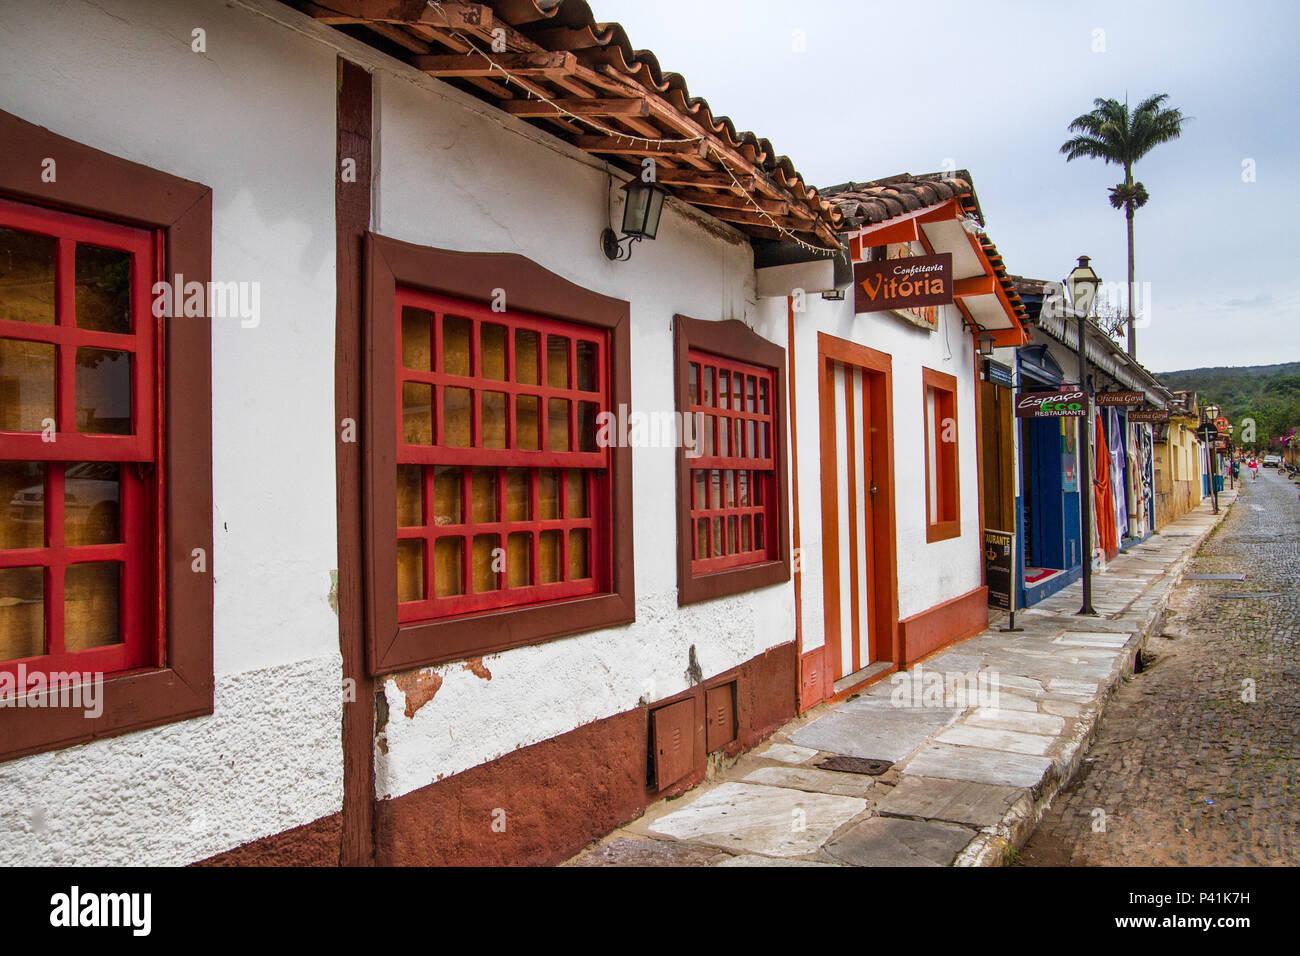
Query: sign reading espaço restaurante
x,y
1065,402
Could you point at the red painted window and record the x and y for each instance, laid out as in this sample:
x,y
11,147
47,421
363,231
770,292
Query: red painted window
x,y
503,494
79,443
942,504
733,477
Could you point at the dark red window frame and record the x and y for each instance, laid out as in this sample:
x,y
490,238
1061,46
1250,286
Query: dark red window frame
x,y
582,459
733,347
178,683
944,521
136,453
532,293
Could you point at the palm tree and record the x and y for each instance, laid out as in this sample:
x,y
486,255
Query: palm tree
x,y
1113,134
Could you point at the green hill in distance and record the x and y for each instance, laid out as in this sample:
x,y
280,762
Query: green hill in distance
x,y
1270,394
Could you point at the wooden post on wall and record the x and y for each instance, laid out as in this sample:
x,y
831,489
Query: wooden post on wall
x,y
352,220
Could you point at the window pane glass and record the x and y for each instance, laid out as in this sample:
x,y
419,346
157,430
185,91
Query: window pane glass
x,y
701,490
456,417
27,276
526,354
448,567
517,494
750,383
455,345
710,426
548,557
702,538
410,496
483,495
91,494
557,361
732,535
410,569
707,397
417,413
724,389
519,560
743,493
762,396
489,561
548,494
22,613
557,424
587,412
729,488
586,366
90,605
26,385
693,384
528,429
578,554
717,538
745,542
577,494
447,495
103,395
22,504
417,331
760,542
103,295
494,419
492,350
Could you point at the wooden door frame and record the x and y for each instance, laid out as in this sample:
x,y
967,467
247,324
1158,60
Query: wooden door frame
x,y
877,369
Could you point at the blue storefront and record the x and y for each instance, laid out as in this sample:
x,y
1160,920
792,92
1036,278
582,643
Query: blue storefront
x,y
1050,554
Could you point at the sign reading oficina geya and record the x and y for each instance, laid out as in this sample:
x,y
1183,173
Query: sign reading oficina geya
x,y
1065,402
1148,414
902,284
1121,398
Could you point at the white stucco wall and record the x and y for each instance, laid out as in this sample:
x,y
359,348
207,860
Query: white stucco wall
x,y
456,174
928,573
253,118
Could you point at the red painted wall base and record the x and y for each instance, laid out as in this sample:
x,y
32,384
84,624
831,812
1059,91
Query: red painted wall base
x,y
944,624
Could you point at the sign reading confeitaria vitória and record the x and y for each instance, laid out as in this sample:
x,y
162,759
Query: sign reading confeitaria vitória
x,y
1066,402
902,283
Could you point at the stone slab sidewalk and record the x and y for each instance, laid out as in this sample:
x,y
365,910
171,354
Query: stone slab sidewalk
x,y
980,736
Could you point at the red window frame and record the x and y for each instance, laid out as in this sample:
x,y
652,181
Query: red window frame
x,y
590,463
704,351
943,514
531,293
137,454
176,679
737,443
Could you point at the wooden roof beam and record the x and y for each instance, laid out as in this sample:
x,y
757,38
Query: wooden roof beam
x,y
632,147
578,106
478,64
450,14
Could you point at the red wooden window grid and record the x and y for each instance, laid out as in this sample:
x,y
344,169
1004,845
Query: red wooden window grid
x,y
733,479
528,477
942,506
72,452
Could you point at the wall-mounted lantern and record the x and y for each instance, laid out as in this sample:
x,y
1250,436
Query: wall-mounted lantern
x,y
986,343
642,206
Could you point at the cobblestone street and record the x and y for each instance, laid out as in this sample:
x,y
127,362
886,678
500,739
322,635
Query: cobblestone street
x,y
1186,767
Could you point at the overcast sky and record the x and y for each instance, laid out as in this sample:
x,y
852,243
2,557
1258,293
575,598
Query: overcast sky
x,y
885,88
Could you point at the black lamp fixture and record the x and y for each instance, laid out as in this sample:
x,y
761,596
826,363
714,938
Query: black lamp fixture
x,y
642,206
986,343
1083,282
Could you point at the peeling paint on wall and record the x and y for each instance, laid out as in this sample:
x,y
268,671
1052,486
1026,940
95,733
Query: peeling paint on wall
x,y
419,687
694,673
476,667
333,596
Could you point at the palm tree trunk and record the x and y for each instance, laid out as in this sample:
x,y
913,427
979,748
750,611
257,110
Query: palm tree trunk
x,y
1132,332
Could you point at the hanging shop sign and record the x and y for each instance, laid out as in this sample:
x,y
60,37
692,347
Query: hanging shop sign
x,y
1065,402
1148,415
995,373
903,285
1121,398
999,567
1222,424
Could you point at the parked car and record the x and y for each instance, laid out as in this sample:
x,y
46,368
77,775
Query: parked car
x,y
1272,461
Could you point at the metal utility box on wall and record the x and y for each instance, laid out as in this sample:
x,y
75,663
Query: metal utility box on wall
x,y
720,722
672,743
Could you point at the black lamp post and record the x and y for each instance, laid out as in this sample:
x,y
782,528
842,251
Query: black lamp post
x,y
642,206
1082,283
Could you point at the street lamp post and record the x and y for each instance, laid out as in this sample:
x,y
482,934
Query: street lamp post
x,y
1083,282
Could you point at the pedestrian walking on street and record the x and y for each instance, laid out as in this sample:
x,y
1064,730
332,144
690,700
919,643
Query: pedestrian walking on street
x,y
1254,469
